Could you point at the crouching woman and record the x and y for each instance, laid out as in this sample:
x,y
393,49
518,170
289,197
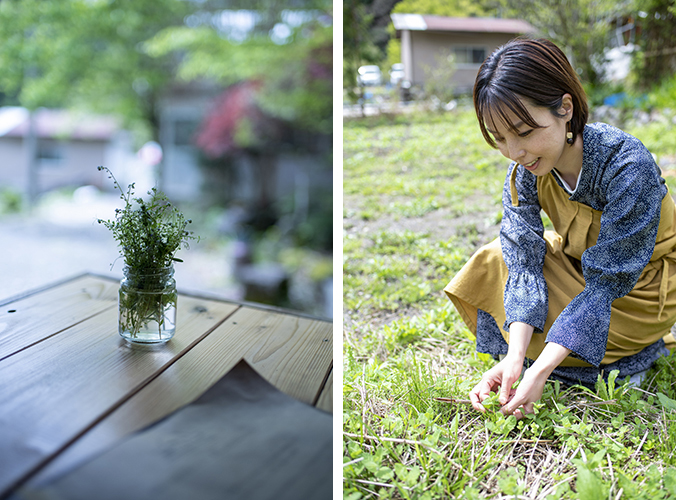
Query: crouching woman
x,y
597,293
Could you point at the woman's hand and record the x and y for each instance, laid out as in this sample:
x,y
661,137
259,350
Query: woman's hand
x,y
502,375
533,382
519,401
528,392
507,371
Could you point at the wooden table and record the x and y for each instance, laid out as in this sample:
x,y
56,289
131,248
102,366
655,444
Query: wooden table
x,y
70,386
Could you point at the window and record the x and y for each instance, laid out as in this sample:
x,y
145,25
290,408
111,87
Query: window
x,y
50,153
468,55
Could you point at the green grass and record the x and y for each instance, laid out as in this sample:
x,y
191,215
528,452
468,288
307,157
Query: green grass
x,y
409,168
405,345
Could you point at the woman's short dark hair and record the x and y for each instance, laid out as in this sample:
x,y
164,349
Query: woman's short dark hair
x,y
532,69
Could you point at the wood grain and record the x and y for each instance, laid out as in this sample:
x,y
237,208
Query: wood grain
x,y
295,357
325,400
277,343
54,390
34,318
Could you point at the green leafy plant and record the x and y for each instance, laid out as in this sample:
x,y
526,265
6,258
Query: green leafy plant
x,y
149,233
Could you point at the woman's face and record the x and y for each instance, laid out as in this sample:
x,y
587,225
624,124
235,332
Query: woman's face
x,y
539,150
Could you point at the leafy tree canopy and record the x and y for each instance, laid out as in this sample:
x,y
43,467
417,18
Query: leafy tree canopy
x,y
289,50
75,52
580,27
120,55
657,59
451,8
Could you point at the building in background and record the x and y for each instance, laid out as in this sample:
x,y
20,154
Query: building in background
x,y
49,149
470,40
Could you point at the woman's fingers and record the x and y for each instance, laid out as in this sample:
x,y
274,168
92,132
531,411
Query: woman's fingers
x,y
520,411
478,394
506,391
524,397
482,390
476,404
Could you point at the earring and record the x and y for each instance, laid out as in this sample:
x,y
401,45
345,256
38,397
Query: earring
x,y
569,136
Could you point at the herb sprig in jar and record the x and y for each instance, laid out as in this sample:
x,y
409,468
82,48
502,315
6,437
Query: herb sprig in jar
x,y
149,234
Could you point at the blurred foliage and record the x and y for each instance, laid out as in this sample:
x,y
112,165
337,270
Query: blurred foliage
x,y
656,59
664,94
579,27
237,123
316,265
289,48
439,80
451,8
117,56
11,201
86,52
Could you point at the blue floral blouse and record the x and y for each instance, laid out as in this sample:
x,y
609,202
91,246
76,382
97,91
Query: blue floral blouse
x,y
620,178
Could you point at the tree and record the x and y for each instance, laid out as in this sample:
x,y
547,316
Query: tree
x,y
580,27
657,56
276,67
289,50
87,53
365,37
358,45
453,8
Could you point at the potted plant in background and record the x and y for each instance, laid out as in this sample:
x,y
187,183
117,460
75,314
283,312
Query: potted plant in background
x,y
149,234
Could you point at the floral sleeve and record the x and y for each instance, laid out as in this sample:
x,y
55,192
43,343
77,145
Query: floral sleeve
x,y
611,268
523,249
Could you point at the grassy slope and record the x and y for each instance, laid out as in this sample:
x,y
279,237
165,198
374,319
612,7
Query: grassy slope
x,y
421,193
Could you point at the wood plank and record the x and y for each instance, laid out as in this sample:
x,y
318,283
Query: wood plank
x,y
28,320
277,341
53,391
297,358
325,400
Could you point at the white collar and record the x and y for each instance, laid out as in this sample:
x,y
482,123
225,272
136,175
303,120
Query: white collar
x,y
565,184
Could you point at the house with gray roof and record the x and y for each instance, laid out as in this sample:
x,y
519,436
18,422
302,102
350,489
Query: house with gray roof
x,y
52,148
469,40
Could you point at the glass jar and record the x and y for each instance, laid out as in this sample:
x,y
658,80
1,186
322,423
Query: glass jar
x,y
147,305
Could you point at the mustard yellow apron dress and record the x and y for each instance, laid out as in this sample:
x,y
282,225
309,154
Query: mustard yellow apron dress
x,y
639,319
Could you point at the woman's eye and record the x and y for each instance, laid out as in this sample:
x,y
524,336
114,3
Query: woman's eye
x,y
499,139
526,133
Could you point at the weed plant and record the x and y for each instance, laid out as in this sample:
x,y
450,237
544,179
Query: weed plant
x,y
405,345
149,233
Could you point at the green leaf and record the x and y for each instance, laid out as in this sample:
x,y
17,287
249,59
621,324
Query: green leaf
x,y
385,474
413,475
453,430
401,470
370,463
589,486
611,383
354,449
601,388
666,402
597,458
670,480
508,482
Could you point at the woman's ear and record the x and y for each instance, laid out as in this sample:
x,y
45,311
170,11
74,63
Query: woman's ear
x,y
566,106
